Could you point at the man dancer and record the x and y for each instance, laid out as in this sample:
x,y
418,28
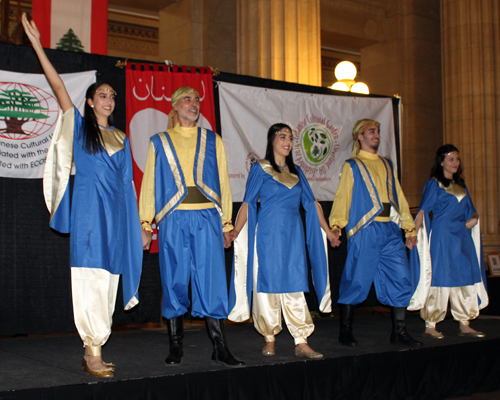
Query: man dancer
x,y
371,206
186,189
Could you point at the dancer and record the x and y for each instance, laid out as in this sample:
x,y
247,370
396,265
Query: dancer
x,y
186,190
105,240
448,261
276,270
371,206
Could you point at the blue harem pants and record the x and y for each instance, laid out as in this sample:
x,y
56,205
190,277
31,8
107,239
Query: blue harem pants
x,y
376,255
191,247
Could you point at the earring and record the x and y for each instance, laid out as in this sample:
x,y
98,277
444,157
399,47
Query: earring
x,y
92,106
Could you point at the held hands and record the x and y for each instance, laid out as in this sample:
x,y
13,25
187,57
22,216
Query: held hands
x,y
31,30
146,239
227,239
470,223
333,237
411,242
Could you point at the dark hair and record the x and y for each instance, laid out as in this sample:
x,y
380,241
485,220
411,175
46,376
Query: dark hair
x,y
437,170
92,133
271,136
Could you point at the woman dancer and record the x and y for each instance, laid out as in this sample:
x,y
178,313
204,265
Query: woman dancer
x,y
448,257
277,270
104,223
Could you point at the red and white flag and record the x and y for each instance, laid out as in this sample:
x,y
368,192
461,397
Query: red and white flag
x,y
74,25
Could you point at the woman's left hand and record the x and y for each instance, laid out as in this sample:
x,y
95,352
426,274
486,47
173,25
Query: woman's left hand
x,y
332,238
471,223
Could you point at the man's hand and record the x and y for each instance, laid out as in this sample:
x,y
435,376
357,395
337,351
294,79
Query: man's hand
x,y
146,239
411,242
227,239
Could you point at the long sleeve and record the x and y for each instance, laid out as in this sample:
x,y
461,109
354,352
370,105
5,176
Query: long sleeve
x,y
147,196
407,222
316,246
469,210
225,187
339,215
56,187
429,196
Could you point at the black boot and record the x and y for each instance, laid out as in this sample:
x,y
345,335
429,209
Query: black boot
x,y
221,354
175,334
399,334
346,316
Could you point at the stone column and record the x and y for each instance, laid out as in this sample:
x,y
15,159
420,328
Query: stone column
x,y
471,101
280,39
199,33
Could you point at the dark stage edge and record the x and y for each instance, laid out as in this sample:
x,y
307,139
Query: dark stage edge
x,y
49,367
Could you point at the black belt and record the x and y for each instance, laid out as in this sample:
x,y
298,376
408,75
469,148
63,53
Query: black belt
x,y
194,196
386,212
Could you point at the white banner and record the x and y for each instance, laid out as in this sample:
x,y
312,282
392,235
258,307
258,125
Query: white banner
x,y
321,124
28,114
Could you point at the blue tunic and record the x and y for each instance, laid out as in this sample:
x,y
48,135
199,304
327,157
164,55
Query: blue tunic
x,y
278,234
453,254
104,222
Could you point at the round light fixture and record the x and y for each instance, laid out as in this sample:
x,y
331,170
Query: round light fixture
x,y
360,87
345,70
340,86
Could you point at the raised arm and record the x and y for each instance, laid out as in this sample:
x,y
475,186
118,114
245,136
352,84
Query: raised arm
x,y
51,74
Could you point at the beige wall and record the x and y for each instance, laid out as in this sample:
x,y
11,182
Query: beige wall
x,y
200,33
408,63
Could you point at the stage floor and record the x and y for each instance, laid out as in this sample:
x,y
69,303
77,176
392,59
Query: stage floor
x,y
55,360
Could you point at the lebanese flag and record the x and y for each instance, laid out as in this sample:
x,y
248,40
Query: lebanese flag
x,y
88,20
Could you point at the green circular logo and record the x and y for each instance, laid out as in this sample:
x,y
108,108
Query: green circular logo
x,y
317,144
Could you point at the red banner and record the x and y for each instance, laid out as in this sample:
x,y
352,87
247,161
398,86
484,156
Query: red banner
x,y
148,104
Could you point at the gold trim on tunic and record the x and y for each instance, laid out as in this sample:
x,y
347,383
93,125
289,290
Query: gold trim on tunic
x,y
454,189
113,140
389,182
177,176
285,177
373,196
199,171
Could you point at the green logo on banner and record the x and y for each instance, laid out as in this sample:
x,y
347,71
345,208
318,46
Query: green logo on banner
x,y
18,107
317,144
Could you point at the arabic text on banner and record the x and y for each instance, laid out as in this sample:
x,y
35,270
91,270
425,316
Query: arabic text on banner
x,y
321,125
28,114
